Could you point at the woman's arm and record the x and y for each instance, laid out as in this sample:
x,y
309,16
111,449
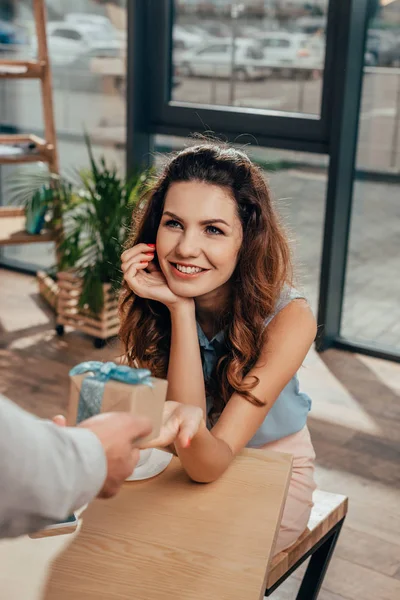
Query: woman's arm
x,y
185,372
290,336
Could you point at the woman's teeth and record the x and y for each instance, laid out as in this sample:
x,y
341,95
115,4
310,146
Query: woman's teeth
x,y
189,270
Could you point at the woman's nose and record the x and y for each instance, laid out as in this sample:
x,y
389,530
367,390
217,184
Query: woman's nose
x,y
188,245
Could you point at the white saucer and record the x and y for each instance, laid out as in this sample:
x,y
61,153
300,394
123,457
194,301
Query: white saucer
x,y
156,463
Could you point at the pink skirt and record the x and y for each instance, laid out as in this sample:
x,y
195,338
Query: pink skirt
x,y
299,499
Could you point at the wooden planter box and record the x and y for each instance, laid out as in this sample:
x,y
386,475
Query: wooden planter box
x,y
102,326
48,288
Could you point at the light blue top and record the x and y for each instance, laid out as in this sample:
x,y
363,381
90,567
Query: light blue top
x,y
289,413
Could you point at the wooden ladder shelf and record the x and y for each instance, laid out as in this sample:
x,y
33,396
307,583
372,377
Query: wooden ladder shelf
x,y
27,148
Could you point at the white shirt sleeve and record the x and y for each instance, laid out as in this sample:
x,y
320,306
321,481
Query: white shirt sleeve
x,y
46,471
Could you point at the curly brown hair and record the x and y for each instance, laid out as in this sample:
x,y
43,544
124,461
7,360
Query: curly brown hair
x,y
263,268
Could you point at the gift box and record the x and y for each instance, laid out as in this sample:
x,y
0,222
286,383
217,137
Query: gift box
x,y
97,387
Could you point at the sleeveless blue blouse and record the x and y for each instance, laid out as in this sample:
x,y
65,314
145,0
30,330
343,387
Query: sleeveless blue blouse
x,y
289,413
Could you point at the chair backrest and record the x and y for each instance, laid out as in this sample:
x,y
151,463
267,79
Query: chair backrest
x,y
327,511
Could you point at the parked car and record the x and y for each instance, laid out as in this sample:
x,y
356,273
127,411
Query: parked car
x,y
248,31
187,39
382,49
69,42
310,25
215,60
90,19
196,30
184,40
293,53
97,21
217,29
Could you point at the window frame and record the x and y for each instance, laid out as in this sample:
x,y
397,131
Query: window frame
x,y
279,129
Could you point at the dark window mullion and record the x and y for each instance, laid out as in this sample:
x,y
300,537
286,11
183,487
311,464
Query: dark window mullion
x,y
347,87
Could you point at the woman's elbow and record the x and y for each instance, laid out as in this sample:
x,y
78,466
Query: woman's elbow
x,y
206,476
202,478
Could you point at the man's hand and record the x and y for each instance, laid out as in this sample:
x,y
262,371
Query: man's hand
x,y
118,433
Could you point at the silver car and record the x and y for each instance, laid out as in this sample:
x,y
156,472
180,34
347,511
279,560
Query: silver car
x,y
214,59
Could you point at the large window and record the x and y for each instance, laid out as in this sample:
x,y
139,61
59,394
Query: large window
x,y
371,309
87,49
256,67
274,74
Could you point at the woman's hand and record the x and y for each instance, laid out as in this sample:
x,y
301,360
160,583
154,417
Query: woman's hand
x,y
181,422
144,278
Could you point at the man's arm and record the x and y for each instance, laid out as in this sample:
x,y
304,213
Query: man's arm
x,y
46,471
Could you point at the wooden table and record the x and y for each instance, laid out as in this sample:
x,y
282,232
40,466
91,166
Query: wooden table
x,y
171,539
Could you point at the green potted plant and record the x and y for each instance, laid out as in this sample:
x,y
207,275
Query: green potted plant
x,y
96,229
96,214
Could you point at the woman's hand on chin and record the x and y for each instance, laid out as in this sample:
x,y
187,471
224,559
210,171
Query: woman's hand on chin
x,y
145,279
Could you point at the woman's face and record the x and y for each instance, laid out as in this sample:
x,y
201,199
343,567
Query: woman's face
x,y
198,239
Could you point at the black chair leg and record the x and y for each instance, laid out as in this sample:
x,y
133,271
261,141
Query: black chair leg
x,y
317,567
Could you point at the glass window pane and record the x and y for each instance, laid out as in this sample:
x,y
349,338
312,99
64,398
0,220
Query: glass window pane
x,y
371,304
88,59
274,57
371,312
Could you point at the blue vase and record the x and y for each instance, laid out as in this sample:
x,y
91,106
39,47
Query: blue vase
x,y
36,212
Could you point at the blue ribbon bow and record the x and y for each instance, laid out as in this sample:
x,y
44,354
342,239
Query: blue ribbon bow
x,y
92,388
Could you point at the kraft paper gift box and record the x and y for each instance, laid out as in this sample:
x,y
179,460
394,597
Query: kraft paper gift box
x,y
97,387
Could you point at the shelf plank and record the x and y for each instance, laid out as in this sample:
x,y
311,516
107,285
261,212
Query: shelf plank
x,y
12,231
34,148
21,69
30,157
11,211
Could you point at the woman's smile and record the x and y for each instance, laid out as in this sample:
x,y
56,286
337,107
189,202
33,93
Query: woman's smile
x,y
186,271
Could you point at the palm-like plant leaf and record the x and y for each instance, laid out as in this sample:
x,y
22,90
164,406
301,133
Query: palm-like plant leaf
x,y
95,207
99,224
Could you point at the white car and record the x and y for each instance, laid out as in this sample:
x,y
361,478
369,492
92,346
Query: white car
x,y
89,19
293,52
184,40
69,41
214,59
98,21
187,39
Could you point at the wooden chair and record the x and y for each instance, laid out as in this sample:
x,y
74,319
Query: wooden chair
x,y
318,541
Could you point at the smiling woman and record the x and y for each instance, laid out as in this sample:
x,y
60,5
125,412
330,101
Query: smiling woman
x,y
208,303
198,241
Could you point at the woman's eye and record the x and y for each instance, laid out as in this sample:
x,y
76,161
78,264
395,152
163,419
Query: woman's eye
x,y
214,230
173,224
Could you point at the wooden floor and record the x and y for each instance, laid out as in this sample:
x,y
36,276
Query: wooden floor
x,y
354,423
